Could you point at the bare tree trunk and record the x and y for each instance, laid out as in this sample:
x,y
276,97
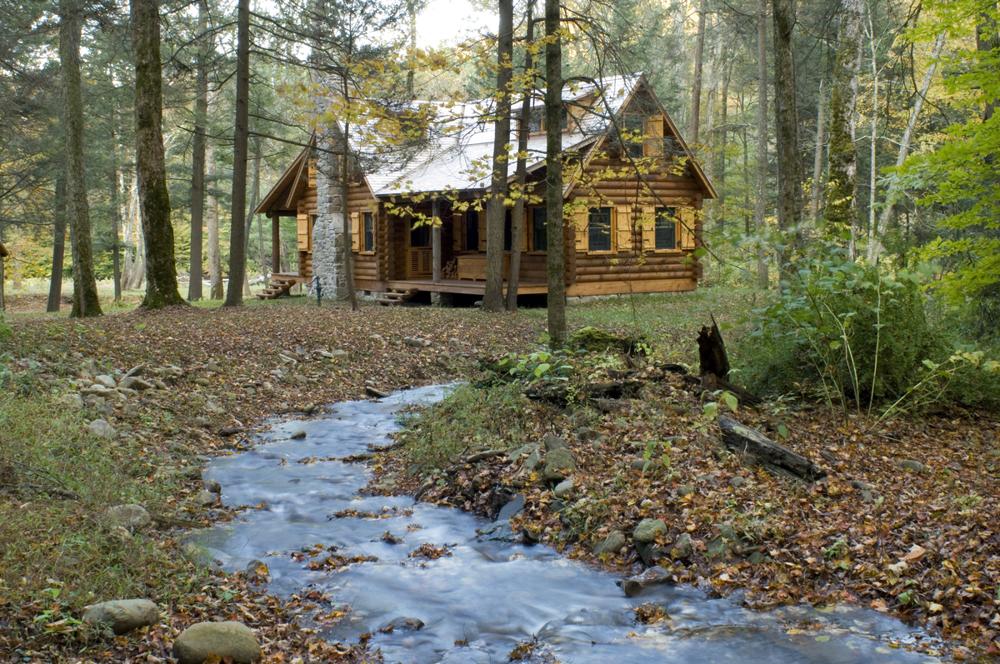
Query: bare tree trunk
x,y
198,152
85,300
786,122
161,271
892,195
760,207
722,144
699,53
237,236
116,222
411,10
212,225
816,192
520,173
495,211
135,254
555,237
254,200
58,245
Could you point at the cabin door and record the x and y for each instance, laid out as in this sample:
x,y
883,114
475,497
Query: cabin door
x,y
418,257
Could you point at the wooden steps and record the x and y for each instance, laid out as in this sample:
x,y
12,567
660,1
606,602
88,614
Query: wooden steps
x,y
396,296
279,286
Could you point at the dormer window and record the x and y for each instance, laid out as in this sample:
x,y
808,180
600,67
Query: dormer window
x,y
536,119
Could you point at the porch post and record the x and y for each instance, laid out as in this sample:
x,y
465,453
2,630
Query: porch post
x,y
275,243
436,248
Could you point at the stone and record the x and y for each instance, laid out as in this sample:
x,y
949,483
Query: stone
x,y
206,640
682,548
414,342
206,498
638,464
611,544
101,429
737,481
686,490
559,463
912,465
402,624
553,442
648,530
129,516
512,508
298,434
213,486
651,577
73,400
533,462
106,381
564,488
122,615
588,435
135,383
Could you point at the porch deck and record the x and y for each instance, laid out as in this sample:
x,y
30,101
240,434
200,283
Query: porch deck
x,y
461,286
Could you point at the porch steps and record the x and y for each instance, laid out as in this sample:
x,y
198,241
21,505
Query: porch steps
x,y
396,296
277,287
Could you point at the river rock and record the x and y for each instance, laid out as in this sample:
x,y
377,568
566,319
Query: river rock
x,y
298,434
135,383
207,498
129,516
213,486
648,530
512,508
564,488
553,442
737,481
219,639
105,380
611,544
685,490
912,465
682,548
651,577
122,615
402,624
559,463
101,429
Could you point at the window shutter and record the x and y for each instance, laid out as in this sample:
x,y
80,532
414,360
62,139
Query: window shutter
x,y
525,227
623,228
648,225
654,136
482,229
580,229
688,217
457,231
355,231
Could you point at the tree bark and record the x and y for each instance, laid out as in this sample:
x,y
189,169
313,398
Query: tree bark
x,y
85,300
495,209
892,195
786,124
212,225
840,208
154,201
237,236
520,172
742,439
254,200
699,54
345,181
555,238
116,222
760,207
198,153
58,245
816,190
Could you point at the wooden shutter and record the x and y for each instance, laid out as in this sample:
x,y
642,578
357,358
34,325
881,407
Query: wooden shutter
x,y
688,219
580,229
482,229
458,231
303,231
355,231
653,131
648,225
525,227
623,228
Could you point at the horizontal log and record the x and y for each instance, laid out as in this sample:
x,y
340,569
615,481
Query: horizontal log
x,y
744,440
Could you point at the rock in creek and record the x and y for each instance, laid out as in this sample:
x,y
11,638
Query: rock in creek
x,y
298,434
651,577
206,640
122,615
648,530
611,544
130,516
402,624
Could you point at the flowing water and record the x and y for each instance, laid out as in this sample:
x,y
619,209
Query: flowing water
x,y
479,602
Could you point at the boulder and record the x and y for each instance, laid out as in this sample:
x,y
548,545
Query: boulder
x,y
135,383
564,488
207,498
101,429
105,380
298,434
129,516
682,548
202,641
648,530
651,577
511,509
122,615
553,442
402,624
612,543
559,464
213,486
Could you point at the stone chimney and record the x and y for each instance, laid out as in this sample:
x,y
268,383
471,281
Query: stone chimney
x,y
328,228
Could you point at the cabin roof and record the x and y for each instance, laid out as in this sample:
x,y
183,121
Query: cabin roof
x,y
460,147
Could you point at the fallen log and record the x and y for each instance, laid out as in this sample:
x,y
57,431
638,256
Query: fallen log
x,y
742,439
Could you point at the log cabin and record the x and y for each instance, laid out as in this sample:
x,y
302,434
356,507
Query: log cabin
x,y
633,196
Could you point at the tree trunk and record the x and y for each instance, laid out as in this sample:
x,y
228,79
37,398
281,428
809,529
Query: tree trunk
x,y
212,225
699,53
495,210
555,237
721,141
816,191
411,10
892,195
154,201
85,300
237,236
786,123
254,200
520,173
760,207
135,261
345,181
58,245
840,205
116,222
198,152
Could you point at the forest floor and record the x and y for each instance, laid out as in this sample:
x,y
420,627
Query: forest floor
x,y
921,544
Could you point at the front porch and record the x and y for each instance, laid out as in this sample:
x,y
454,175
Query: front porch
x,y
460,286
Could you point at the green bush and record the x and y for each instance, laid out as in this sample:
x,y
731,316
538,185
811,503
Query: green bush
x,y
859,334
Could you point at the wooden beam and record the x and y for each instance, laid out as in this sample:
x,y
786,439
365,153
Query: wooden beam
x,y
275,243
436,242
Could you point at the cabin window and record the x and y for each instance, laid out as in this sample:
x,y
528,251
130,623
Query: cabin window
x,y
539,236
666,228
599,229
472,230
420,236
536,119
368,231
